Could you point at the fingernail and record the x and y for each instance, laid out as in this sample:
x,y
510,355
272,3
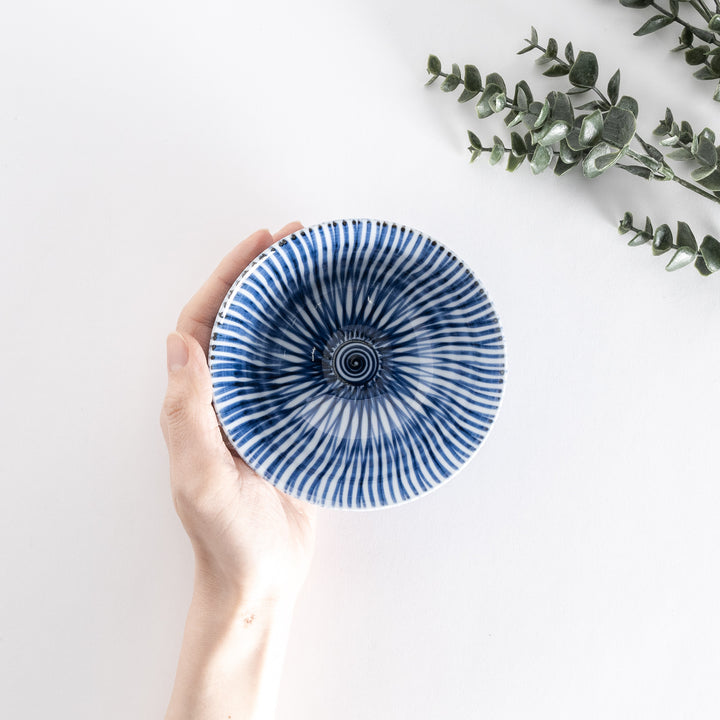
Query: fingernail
x,y
177,352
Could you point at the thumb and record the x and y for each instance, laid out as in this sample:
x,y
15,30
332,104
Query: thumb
x,y
188,420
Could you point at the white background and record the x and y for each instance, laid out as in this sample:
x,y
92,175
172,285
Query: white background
x,y
570,571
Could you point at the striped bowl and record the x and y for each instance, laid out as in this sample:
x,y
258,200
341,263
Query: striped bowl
x,y
357,364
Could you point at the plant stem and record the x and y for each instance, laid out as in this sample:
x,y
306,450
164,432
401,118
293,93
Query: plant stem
x,y
702,9
684,23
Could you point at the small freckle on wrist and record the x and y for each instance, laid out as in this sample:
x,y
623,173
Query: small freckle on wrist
x,y
248,620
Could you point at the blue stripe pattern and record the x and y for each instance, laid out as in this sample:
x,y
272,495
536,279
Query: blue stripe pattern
x,y
357,364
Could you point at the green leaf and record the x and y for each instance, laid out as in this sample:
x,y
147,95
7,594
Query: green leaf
x,y
705,73
550,53
561,108
706,153
702,172
569,53
591,129
599,158
636,3
567,154
489,100
473,84
614,87
685,237
518,144
716,94
514,162
648,227
651,150
584,71
497,152
513,118
709,134
639,239
696,55
541,159
573,140
456,70
654,23
683,256
533,35
522,85
628,103
639,170
680,153
495,79
434,66
521,99
619,127
555,132
450,83
662,240
701,267
714,23
686,132
712,181
474,140
710,250
542,115
557,71
561,167
626,223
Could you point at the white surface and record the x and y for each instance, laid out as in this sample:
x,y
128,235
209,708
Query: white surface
x,y
570,571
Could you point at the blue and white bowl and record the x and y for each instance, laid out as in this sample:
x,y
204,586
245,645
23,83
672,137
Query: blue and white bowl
x,y
357,364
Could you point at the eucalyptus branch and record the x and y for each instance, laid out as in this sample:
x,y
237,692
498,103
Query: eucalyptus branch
x,y
595,136
701,55
596,140
706,257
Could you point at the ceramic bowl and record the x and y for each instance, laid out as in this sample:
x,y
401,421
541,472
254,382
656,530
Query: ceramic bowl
x,y
357,364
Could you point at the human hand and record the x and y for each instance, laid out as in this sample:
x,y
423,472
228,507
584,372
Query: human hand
x,y
252,543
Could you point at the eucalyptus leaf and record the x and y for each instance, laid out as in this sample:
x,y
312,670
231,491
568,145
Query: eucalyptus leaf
x,y
706,153
599,158
569,53
614,87
639,170
708,133
557,71
696,55
685,237
474,141
497,152
710,250
712,181
714,23
628,103
680,153
626,223
573,140
554,133
514,162
701,267
541,159
550,53
619,127
533,35
434,66
639,239
662,240
636,3
584,71
495,79
700,173
648,227
706,73
591,129
518,144
456,70
561,167
561,108
567,154
542,115
683,256
654,23
450,83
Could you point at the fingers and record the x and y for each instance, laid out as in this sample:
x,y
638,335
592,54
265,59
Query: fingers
x,y
198,316
289,228
188,420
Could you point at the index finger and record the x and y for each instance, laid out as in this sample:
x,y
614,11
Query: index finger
x,y
198,316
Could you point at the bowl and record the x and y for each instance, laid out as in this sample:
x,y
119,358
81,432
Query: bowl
x,y
357,364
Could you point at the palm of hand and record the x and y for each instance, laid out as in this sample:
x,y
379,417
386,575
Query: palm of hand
x,y
249,538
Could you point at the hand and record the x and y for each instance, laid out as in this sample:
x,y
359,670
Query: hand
x,y
252,542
